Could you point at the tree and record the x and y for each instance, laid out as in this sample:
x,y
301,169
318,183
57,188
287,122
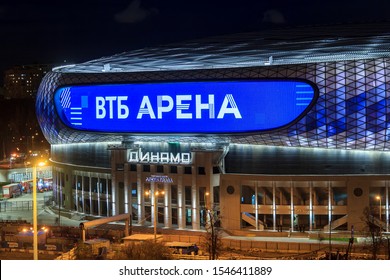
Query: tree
x,y
374,231
213,242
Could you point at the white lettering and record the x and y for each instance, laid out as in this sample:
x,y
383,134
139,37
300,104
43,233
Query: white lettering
x,y
154,157
110,100
205,106
143,157
163,109
163,157
186,158
116,107
100,110
180,107
133,157
175,158
146,108
123,110
233,109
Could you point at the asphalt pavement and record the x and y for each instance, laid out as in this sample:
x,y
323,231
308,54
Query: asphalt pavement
x,y
45,215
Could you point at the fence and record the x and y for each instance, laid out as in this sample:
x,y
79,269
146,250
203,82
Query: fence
x,y
9,206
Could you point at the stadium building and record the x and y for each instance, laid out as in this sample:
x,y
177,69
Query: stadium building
x,y
279,130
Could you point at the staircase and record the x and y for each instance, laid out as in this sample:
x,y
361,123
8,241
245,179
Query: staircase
x,y
377,222
250,219
337,223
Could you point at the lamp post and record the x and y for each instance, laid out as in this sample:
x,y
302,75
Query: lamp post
x,y
205,216
206,194
155,202
35,216
378,197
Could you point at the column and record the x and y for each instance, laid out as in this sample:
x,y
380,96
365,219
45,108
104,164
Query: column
x,y
387,209
195,208
60,190
181,218
311,207
126,182
195,201
107,195
292,206
90,195
82,193
315,201
98,196
57,187
330,205
77,192
256,208
274,205
153,202
167,206
140,196
281,202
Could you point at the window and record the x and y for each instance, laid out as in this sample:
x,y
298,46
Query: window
x,y
86,184
160,169
173,169
146,168
94,184
120,167
201,170
216,194
174,194
187,195
187,170
133,167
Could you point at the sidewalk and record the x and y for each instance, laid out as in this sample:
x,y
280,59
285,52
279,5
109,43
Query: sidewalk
x,y
45,215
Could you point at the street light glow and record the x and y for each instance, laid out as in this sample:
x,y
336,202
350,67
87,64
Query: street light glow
x,y
155,202
35,212
378,197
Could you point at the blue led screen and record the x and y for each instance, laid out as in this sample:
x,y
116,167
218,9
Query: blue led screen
x,y
204,107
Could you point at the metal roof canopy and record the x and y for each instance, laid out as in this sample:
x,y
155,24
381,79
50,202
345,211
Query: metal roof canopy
x,y
283,46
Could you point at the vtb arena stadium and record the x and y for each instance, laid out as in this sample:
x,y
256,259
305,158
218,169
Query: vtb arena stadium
x,y
277,130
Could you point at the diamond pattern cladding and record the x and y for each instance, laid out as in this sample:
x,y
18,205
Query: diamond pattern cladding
x,y
352,111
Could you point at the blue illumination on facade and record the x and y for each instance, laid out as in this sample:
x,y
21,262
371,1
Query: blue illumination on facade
x,y
350,108
184,107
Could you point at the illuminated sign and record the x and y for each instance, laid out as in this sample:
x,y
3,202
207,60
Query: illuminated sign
x,y
184,107
159,179
159,157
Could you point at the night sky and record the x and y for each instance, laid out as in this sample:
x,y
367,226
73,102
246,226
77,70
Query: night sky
x,y
60,32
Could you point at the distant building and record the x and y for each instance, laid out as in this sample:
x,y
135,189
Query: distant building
x,y
23,81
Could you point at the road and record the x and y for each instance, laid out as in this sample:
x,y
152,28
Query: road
x,y
45,215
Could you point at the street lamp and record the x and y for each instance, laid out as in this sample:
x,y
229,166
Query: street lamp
x,y
206,216
378,197
206,194
35,216
155,202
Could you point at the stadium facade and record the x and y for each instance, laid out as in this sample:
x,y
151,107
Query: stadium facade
x,y
285,129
